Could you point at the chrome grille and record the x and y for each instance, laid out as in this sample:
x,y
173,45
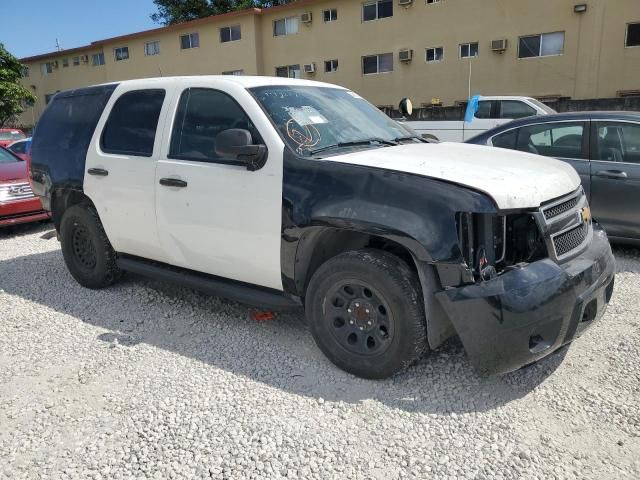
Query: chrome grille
x,y
560,208
571,239
15,191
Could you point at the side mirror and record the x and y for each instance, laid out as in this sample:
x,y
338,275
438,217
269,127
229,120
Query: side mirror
x,y
406,107
236,144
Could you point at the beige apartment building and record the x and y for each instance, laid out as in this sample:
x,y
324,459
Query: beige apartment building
x,y
432,51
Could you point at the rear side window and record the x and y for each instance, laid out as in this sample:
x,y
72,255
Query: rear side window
x,y
559,140
132,124
512,109
202,114
484,109
20,147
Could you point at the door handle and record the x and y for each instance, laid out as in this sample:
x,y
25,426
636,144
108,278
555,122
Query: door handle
x,y
173,182
611,174
100,172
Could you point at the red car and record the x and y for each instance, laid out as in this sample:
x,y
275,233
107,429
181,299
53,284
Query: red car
x,y
18,204
10,135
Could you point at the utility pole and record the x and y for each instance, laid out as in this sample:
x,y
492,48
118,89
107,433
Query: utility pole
x,y
58,46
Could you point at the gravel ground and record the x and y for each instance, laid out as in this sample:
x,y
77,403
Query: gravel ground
x,y
144,380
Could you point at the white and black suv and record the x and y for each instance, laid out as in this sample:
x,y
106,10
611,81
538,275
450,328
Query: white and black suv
x,y
283,193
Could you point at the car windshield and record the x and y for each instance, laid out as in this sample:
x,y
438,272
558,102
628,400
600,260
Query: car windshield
x,y
11,135
6,157
320,119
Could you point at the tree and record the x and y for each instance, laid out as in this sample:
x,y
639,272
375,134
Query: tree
x,y
177,11
13,96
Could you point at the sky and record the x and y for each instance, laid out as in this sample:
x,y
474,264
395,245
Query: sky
x,y
31,27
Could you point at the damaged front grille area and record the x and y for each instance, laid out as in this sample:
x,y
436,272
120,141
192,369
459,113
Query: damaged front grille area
x,y
571,239
560,208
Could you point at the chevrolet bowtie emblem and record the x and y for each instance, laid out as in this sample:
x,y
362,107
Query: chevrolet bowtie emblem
x,y
585,213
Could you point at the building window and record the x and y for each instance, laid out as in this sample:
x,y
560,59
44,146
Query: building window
x,y
285,26
331,15
377,10
382,63
429,2
132,123
434,54
331,66
190,40
633,35
97,59
65,62
76,61
121,53
152,48
289,71
236,73
25,71
46,68
469,50
230,34
545,45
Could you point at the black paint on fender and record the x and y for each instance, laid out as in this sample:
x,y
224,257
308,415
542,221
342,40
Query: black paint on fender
x,y
61,140
329,199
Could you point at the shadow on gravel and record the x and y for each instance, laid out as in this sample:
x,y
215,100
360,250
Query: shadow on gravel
x,y
25,229
626,258
280,354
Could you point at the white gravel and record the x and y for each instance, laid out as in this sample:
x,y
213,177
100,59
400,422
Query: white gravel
x,y
144,380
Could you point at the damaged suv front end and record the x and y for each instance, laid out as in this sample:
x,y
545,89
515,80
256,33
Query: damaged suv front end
x,y
531,281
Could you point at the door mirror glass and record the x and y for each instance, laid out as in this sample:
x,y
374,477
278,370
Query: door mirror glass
x,y
236,144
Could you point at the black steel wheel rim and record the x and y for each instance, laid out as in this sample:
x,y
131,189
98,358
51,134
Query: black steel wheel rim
x,y
83,249
359,318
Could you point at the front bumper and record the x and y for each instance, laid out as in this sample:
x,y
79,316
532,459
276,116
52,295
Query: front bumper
x,y
22,211
529,312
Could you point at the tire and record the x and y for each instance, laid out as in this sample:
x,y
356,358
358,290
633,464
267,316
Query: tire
x,y
86,249
366,313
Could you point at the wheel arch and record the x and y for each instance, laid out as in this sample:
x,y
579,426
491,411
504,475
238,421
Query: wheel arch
x,y
320,244
62,199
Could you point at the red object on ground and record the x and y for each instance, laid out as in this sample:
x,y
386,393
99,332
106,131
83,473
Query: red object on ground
x,y
18,204
258,316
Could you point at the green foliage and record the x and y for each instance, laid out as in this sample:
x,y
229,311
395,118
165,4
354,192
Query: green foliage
x,y
13,96
177,11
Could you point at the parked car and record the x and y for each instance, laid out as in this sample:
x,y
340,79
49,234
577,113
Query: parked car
x,y
603,147
488,112
10,135
22,148
287,193
18,204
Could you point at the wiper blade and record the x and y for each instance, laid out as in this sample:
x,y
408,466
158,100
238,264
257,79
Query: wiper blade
x,y
410,137
355,143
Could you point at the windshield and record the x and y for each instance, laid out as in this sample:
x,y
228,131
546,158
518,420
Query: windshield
x,y
6,157
311,119
11,135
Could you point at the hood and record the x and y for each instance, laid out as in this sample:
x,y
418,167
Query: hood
x,y
512,179
13,171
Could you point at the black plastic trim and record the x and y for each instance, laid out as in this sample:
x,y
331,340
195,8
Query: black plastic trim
x,y
210,284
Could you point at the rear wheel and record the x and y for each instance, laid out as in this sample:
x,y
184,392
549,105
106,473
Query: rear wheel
x,y
366,313
86,249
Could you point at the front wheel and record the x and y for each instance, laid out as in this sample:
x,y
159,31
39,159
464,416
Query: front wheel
x,y
366,313
86,248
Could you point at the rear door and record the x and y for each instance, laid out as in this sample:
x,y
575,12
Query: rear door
x,y
214,215
566,141
615,172
120,168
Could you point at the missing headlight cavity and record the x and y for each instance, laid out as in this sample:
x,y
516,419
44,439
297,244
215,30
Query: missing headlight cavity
x,y
490,244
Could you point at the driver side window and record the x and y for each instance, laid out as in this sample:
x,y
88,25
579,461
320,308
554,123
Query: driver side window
x,y
202,114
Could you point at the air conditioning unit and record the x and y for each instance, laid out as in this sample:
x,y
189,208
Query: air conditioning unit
x,y
306,17
85,58
405,3
499,45
309,68
406,55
